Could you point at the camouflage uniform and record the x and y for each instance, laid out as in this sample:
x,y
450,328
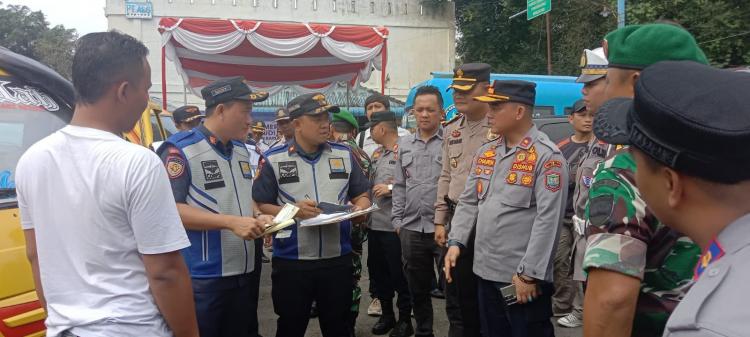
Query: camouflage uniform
x,y
359,234
624,237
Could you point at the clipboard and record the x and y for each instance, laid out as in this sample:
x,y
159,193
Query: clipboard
x,y
327,219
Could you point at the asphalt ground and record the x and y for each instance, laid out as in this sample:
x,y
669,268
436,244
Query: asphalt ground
x,y
267,318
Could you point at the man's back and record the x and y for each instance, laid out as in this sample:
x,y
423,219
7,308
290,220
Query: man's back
x,y
96,203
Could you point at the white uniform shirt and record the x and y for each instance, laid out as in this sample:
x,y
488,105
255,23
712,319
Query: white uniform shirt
x,y
97,203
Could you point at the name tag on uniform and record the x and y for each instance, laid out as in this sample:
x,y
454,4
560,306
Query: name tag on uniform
x,y
246,169
338,170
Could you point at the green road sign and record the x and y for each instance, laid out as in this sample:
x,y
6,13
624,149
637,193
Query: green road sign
x,y
536,8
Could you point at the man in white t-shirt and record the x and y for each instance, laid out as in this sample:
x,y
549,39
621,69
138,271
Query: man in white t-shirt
x,y
375,103
102,231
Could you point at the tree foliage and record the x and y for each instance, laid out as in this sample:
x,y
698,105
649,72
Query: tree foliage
x,y
486,34
27,32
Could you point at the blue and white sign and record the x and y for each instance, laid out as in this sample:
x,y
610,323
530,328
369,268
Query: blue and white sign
x,y
139,10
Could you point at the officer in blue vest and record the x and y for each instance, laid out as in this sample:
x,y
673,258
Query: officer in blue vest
x,y
211,175
311,263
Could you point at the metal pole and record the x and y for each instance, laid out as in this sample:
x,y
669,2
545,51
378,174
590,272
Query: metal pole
x,y
348,97
620,13
549,46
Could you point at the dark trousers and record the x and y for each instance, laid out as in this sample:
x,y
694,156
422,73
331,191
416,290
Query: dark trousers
x,y
461,302
227,306
386,268
296,284
417,250
516,320
565,287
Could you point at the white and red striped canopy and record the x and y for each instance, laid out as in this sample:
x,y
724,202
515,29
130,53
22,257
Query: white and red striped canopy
x,y
272,55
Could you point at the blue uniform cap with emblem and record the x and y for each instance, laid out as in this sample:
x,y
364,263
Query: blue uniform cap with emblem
x,y
516,91
186,114
310,105
688,116
466,76
230,89
381,116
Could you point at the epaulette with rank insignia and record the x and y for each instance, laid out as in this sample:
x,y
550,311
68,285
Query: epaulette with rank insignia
x,y
453,120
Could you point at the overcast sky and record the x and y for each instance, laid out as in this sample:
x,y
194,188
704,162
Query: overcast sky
x,y
85,16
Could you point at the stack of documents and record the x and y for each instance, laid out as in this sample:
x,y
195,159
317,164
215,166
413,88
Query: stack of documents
x,y
327,219
284,219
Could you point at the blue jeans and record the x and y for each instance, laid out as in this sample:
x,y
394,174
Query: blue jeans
x,y
517,320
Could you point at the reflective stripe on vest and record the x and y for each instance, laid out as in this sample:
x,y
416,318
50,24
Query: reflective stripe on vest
x,y
224,186
323,180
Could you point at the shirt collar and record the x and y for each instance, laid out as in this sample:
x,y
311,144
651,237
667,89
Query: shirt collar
x,y
527,141
731,239
438,134
295,148
223,148
734,236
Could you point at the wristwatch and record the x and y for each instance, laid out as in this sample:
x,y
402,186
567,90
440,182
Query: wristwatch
x,y
390,187
455,243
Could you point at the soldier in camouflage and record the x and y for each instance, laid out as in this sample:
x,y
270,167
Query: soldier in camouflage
x,y
638,269
344,128
684,179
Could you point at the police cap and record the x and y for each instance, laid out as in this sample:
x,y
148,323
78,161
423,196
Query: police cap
x,y
468,75
230,89
510,91
186,114
309,104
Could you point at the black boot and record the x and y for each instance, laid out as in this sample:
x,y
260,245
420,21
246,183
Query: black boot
x,y
387,320
403,328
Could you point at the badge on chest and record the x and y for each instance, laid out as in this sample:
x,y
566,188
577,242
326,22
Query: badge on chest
x,y
212,174
288,172
246,169
338,169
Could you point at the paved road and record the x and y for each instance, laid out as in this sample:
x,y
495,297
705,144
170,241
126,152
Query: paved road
x,y
267,317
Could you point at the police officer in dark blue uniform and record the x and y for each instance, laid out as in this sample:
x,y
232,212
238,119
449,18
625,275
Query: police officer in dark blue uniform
x,y
311,263
211,175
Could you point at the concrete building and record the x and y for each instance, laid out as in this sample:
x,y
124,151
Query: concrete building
x,y
421,40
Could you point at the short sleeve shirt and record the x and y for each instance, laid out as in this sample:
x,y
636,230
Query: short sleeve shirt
x,y
111,204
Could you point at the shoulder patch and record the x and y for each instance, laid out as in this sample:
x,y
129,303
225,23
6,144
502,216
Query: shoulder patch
x,y
175,166
601,209
552,181
552,164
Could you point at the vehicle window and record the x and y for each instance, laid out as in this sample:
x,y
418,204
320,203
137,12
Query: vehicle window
x,y
19,129
556,131
543,111
168,124
26,116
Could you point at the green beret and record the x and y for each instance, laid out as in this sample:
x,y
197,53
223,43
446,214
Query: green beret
x,y
346,116
639,46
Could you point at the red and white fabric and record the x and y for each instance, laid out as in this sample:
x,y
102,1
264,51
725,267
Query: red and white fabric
x,y
272,55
